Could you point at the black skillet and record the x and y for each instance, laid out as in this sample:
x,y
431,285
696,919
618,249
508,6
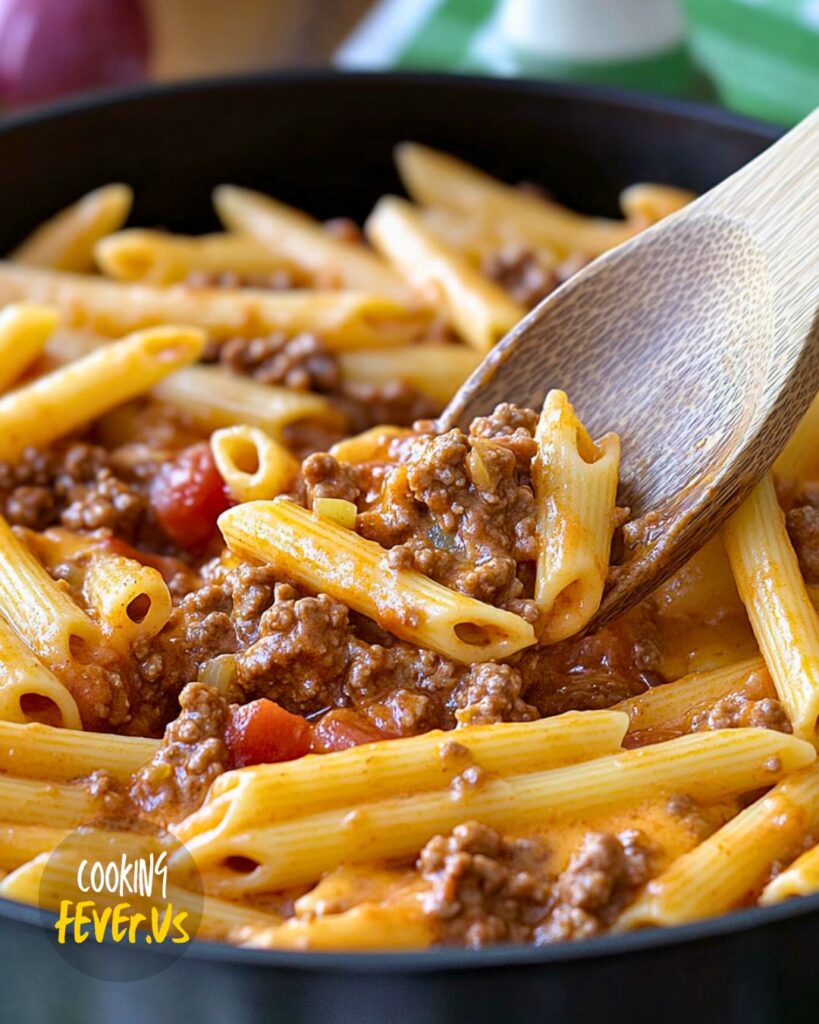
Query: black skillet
x,y
323,141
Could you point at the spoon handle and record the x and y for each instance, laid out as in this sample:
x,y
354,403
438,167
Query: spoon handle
x,y
776,197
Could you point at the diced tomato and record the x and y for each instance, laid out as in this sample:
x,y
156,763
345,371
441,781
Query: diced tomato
x,y
262,733
341,729
187,495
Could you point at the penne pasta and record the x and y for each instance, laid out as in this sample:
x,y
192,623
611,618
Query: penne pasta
x,y
36,751
214,399
157,257
294,236
369,926
66,242
343,319
27,687
131,600
325,557
24,330
40,802
369,446
666,711
647,203
575,484
799,459
717,874
251,463
48,621
800,879
708,766
479,309
413,364
52,877
773,592
22,843
400,767
68,397
437,179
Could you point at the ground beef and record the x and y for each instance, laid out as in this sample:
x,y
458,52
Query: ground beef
x,y
525,275
300,361
277,280
74,484
803,528
325,477
192,754
200,628
522,274
601,879
301,653
491,693
460,509
748,708
484,889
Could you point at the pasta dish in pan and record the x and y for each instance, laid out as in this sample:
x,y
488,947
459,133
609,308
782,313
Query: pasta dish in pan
x,y
254,600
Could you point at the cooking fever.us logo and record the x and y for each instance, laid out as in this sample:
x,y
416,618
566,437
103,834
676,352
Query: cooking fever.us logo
x,y
104,890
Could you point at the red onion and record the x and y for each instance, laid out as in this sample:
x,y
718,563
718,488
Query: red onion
x,y
52,47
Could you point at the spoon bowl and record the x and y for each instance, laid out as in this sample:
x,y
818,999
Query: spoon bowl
x,y
697,342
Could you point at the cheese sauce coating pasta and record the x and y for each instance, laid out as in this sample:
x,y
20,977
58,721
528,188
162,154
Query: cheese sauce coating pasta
x,y
253,597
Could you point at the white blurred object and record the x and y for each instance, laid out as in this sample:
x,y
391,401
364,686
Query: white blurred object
x,y
591,30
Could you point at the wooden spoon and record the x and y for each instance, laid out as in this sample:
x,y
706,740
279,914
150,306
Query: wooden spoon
x,y
697,342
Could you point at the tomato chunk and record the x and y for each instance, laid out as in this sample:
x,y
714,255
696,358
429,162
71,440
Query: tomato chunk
x,y
341,729
262,733
187,495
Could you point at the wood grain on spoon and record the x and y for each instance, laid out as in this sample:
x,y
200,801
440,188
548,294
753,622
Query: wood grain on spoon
x,y
697,342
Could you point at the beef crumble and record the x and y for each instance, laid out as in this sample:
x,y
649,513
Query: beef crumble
x,y
486,888
192,754
803,528
302,362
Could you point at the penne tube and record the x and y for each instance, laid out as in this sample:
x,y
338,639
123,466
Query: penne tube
x,y
800,879
665,711
24,330
47,619
66,242
716,875
56,404
251,463
294,236
707,766
319,554
36,751
131,600
21,843
480,310
27,687
214,398
647,203
49,878
369,446
36,802
369,926
160,258
575,484
771,587
344,320
435,370
437,179
400,767
799,460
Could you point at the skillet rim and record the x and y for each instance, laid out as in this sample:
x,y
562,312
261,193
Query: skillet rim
x,y
439,959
